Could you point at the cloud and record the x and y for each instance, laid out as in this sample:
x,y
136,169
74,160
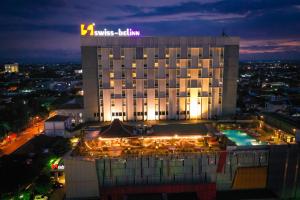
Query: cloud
x,y
265,26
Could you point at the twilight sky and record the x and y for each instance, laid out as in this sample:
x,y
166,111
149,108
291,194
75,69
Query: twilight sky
x,y
48,30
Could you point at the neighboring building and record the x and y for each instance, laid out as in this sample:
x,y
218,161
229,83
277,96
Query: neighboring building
x,y
58,126
11,68
157,78
73,109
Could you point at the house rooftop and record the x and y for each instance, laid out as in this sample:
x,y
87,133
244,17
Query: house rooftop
x,y
57,118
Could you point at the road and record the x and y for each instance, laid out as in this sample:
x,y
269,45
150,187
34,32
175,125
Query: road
x,y
22,138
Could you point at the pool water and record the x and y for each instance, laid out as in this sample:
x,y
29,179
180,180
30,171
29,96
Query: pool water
x,y
241,138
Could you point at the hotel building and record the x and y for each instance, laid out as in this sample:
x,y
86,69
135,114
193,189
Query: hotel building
x,y
11,68
158,78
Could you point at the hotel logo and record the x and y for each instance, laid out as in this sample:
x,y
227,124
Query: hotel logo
x,y
87,30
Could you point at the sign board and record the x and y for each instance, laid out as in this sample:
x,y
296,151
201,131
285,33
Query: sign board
x,y
89,30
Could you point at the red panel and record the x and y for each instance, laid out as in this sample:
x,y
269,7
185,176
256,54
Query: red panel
x,y
222,161
204,191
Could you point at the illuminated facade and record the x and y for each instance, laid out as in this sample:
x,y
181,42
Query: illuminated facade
x,y
11,68
158,78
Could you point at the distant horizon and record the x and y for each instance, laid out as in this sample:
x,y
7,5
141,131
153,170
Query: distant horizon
x,y
79,62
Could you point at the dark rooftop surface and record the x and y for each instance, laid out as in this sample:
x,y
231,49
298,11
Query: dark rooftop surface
x,y
76,103
179,129
116,129
57,118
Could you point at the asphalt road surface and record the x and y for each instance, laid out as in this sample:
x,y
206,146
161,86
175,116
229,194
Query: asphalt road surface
x,y
22,138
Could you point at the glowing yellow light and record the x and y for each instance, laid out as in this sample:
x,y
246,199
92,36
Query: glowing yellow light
x,y
112,83
151,113
84,31
194,107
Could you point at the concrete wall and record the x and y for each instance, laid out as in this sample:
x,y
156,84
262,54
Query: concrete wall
x,y
90,82
230,77
81,179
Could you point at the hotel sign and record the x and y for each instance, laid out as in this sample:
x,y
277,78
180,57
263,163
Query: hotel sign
x,y
89,30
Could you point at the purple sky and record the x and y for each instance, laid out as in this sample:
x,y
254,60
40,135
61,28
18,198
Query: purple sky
x,y
48,30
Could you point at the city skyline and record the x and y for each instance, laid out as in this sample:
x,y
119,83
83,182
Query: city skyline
x,y
49,31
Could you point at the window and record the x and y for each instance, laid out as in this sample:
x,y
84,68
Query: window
x,y
111,75
199,74
112,102
167,53
123,93
177,63
133,74
145,74
156,83
134,64
122,53
111,63
167,62
189,52
200,63
133,83
112,83
155,63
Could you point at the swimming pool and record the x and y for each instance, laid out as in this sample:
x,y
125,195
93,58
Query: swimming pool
x,y
241,138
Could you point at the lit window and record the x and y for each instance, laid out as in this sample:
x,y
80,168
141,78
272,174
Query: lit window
x,y
156,64
111,75
112,83
133,65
